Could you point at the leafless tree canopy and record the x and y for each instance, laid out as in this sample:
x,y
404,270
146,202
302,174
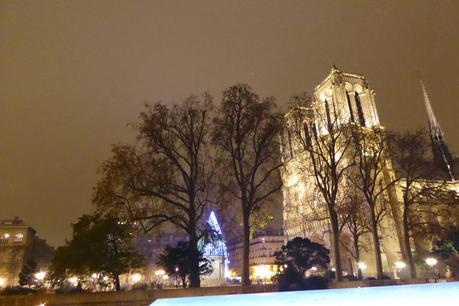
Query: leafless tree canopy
x,y
325,142
166,176
246,134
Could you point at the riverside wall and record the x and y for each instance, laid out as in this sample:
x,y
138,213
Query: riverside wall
x,y
146,297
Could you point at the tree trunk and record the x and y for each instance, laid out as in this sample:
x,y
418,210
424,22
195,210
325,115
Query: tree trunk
x,y
117,282
407,245
245,248
335,247
195,280
357,257
376,244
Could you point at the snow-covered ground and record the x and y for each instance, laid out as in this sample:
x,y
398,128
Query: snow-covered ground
x,y
405,295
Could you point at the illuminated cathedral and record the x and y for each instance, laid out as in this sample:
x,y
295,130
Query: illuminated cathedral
x,y
345,97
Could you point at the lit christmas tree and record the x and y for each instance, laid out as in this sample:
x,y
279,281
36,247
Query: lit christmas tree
x,y
218,246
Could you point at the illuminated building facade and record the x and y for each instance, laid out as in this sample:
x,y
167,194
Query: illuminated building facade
x,y
18,243
346,100
261,259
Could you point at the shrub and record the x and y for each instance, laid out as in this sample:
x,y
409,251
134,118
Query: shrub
x,y
350,278
289,280
17,291
385,276
315,282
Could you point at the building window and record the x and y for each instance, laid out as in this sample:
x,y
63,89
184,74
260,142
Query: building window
x,y
327,112
349,104
307,135
290,143
18,237
359,109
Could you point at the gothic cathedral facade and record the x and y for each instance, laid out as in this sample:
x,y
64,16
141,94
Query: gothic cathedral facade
x,y
345,99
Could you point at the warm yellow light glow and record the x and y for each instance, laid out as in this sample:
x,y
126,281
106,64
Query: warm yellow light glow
x,y
42,304
136,277
6,235
362,266
400,265
40,275
431,261
323,97
95,275
73,280
263,271
160,272
2,281
314,269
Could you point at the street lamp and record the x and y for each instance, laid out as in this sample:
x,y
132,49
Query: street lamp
x,y
160,272
136,278
362,266
40,275
73,280
431,262
399,265
176,277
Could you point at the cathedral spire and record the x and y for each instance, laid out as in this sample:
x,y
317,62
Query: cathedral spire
x,y
440,149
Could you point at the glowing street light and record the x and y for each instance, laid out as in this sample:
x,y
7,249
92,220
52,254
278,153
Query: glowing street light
x,y
362,266
136,277
160,272
40,275
431,261
73,280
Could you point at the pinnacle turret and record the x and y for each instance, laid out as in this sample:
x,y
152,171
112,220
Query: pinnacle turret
x,y
440,149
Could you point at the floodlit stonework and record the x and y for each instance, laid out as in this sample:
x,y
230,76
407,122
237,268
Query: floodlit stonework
x,y
18,243
346,99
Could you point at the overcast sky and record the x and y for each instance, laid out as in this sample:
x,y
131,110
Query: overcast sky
x,y
74,73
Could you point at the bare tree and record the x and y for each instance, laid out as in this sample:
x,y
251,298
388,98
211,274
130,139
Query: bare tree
x,y
370,176
356,223
246,134
166,177
422,188
317,132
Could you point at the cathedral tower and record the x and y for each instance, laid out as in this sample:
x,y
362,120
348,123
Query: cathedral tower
x,y
344,103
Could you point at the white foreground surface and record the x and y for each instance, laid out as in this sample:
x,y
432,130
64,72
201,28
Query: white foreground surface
x,y
442,294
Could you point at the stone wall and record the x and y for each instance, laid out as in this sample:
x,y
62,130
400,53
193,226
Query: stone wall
x,y
146,297
125,298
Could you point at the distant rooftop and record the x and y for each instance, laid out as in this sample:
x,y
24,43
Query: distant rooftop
x,y
14,221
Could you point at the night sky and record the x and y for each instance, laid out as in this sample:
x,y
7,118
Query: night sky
x,y
74,73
